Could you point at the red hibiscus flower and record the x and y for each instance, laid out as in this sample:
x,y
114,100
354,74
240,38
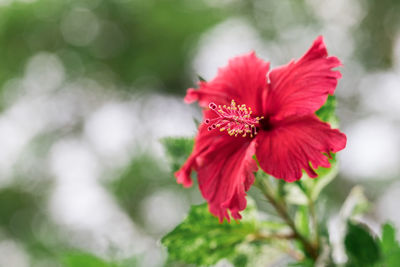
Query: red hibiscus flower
x,y
250,111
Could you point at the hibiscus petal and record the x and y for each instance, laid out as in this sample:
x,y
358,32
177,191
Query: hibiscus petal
x,y
295,143
302,87
225,167
205,141
242,80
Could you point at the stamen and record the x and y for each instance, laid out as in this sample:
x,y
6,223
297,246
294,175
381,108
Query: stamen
x,y
235,119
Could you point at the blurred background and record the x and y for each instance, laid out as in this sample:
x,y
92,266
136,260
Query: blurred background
x,y
89,87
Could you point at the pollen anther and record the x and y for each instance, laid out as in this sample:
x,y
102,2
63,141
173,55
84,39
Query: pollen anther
x,y
235,119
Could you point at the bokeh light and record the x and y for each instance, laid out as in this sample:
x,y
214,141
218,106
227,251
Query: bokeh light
x,y
89,88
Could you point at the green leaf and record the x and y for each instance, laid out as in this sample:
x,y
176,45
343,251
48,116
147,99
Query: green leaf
x,y
327,112
177,150
390,247
80,259
362,249
84,259
200,239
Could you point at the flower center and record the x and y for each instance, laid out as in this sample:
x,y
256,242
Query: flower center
x,y
235,119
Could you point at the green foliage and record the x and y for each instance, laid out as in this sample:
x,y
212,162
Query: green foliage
x,y
80,259
177,150
200,239
376,47
362,248
20,210
390,246
17,212
84,259
141,42
136,181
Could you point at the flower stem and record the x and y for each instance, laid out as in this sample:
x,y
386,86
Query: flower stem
x,y
314,222
266,188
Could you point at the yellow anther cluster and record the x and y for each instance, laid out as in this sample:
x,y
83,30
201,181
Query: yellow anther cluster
x,y
235,119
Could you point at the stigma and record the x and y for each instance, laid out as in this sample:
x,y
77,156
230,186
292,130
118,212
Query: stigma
x,y
235,119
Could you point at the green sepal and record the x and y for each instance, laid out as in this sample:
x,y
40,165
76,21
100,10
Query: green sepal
x,y
327,112
201,79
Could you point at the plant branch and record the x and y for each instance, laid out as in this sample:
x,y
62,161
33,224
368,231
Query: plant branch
x,y
281,209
